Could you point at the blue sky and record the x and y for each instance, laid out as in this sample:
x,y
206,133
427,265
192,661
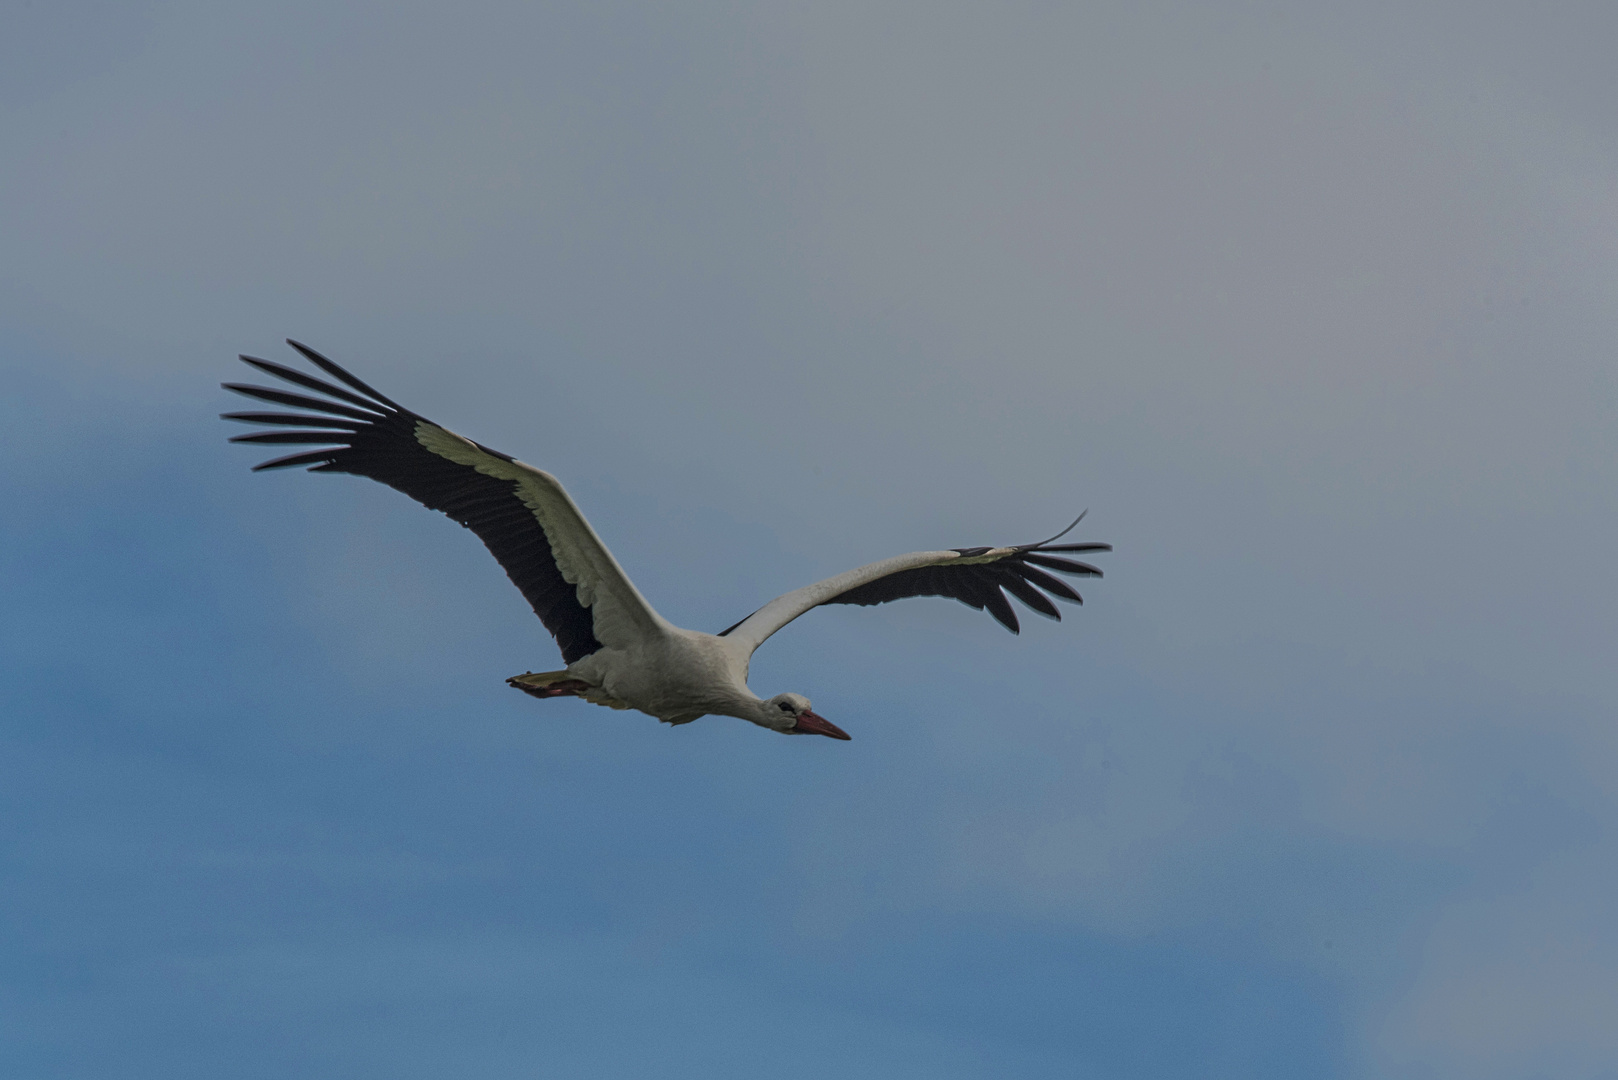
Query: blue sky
x,y
1314,309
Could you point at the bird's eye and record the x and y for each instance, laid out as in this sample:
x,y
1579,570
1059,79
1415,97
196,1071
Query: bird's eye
x,y
785,707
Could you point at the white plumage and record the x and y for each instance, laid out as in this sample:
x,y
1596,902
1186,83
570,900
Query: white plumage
x,y
619,651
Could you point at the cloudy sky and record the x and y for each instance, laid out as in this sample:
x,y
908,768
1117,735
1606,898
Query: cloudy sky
x,y
1315,308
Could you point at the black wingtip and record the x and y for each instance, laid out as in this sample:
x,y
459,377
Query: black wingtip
x,y
319,457
302,401
336,371
1064,566
292,419
310,438
995,602
309,382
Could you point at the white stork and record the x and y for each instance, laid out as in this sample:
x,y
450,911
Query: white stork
x,y
619,651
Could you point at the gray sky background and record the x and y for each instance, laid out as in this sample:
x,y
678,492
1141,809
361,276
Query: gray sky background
x,y
1315,309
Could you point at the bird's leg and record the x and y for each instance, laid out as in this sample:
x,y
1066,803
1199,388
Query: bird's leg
x,y
548,684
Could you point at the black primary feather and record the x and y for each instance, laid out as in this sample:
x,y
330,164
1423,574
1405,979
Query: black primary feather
x,y
382,445
316,437
1066,566
338,373
289,418
300,401
308,382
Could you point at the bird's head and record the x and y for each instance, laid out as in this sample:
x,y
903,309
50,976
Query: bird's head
x,y
790,713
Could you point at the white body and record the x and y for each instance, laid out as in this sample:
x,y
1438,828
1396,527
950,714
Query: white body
x,y
647,663
622,652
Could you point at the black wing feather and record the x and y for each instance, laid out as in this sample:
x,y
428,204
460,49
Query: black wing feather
x,y
1050,584
316,437
293,459
289,418
995,600
308,382
979,585
1066,566
384,447
1030,596
299,401
341,375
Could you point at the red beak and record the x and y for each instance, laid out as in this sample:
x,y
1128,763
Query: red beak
x,y
810,724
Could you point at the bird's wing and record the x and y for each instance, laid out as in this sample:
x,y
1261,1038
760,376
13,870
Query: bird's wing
x,y
974,576
522,514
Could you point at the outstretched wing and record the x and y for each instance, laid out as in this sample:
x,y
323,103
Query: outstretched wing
x,y
522,514
974,576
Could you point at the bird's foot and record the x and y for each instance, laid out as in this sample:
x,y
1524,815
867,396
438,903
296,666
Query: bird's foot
x,y
548,684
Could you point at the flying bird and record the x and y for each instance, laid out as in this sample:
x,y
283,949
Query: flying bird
x,y
618,650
